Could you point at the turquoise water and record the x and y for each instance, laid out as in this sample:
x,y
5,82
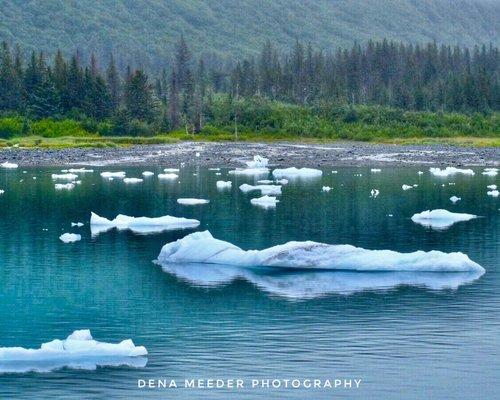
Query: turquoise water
x,y
413,341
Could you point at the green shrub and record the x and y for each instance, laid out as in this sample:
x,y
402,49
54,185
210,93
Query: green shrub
x,y
11,126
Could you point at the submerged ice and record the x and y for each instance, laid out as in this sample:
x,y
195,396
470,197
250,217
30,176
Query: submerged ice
x,y
79,351
202,247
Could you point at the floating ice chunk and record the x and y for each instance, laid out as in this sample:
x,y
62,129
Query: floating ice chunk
x,y
192,202
250,171
491,169
335,172
326,188
214,169
171,170
78,351
420,173
297,173
147,173
64,186
415,185
223,185
492,187
218,173
258,162
450,171
78,224
2,191
202,247
490,172
375,170
406,187
265,201
265,182
107,174
440,219
197,154
9,165
70,237
270,190
302,284
454,199
374,193
169,176
79,170
281,181
64,177
493,193
132,180
140,224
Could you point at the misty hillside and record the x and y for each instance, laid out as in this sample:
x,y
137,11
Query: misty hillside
x,y
144,30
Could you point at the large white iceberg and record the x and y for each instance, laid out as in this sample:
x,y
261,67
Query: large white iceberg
x,y
440,219
140,224
192,202
79,351
293,172
202,247
270,190
450,171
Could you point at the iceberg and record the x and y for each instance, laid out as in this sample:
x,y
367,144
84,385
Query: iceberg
x,y
492,193
450,171
406,187
78,351
221,185
440,219
9,165
107,174
171,170
258,162
454,199
302,285
326,188
79,170
77,224
272,190
281,181
70,237
293,172
64,186
492,187
375,170
250,171
265,201
132,180
374,193
140,224
202,247
2,191
64,177
490,172
169,176
148,173
192,202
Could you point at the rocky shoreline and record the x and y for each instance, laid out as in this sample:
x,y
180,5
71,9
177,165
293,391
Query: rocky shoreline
x,y
212,154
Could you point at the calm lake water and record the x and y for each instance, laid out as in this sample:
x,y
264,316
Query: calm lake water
x,y
414,341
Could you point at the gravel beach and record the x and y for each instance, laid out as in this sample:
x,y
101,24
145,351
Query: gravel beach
x,y
212,154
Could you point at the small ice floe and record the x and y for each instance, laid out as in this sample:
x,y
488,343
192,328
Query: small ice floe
x,y
450,171
171,170
2,191
358,174
492,193
451,183
440,219
192,202
80,170
34,177
454,199
64,186
107,174
64,177
77,224
281,181
420,172
326,188
147,173
140,224
132,180
197,154
273,190
374,193
375,170
335,172
250,171
257,162
293,172
490,172
492,187
265,182
214,169
223,185
406,187
218,173
203,248
9,165
78,351
390,215
70,237
265,201
169,176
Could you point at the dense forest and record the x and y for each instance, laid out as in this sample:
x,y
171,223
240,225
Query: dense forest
x,y
142,33
256,93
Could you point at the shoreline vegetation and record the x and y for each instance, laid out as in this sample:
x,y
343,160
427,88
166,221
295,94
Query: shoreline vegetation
x,y
383,92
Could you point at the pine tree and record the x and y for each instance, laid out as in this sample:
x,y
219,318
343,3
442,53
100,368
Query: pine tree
x,y
138,97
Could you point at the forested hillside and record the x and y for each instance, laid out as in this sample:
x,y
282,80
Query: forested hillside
x,y
142,32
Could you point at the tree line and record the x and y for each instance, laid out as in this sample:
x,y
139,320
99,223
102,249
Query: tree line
x,y
408,77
